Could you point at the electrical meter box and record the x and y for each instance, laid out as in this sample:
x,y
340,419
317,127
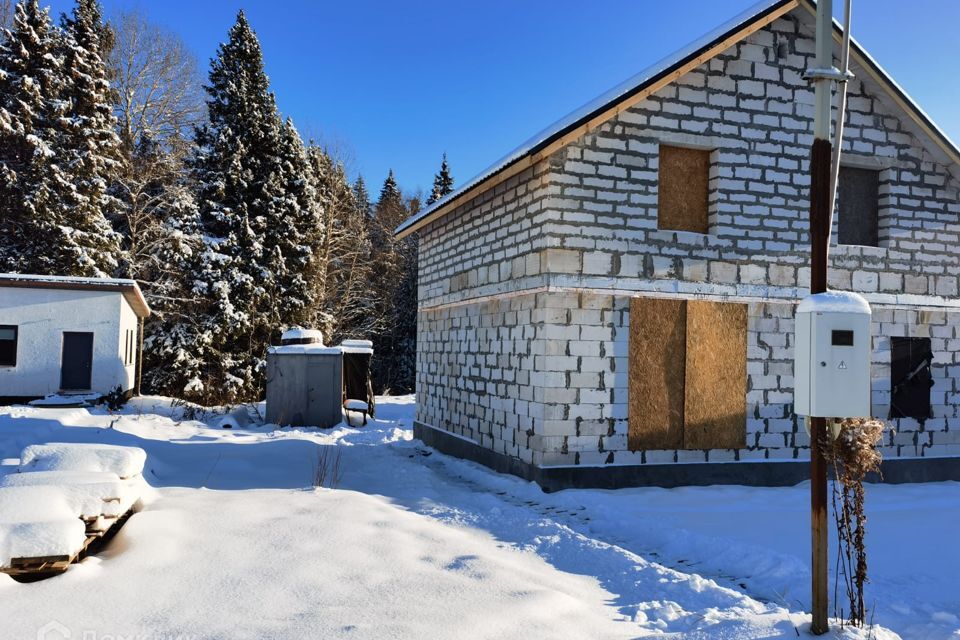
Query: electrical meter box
x,y
832,356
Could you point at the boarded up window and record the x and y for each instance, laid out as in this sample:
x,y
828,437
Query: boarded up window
x,y
858,206
657,361
716,379
910,377
683,189
688,374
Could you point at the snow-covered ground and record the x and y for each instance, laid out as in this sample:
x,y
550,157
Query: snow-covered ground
x,y
235,542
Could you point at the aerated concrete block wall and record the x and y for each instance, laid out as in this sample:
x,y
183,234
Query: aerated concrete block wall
x,y
524,291
586,415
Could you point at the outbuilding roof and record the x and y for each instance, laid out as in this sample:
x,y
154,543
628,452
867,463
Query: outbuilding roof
x,y
652,79
128,288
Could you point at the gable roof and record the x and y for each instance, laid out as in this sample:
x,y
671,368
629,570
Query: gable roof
x,y
650,80
128,288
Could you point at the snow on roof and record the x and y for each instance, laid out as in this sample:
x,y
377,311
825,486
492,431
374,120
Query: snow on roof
x,y
357,346
296,333
834,302
288,349
648,76
129,288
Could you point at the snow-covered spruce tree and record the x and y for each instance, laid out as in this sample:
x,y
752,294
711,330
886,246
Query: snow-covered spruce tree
x,y
51,223
360,196
177,338
395,290
442,182
90,149
296,235
259,224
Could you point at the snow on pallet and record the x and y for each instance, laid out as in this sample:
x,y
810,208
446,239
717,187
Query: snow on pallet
x,y
126,462
66,497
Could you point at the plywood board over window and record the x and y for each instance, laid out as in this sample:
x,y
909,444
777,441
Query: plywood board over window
x,y
683,189
687,374
858,206
657,344
716,376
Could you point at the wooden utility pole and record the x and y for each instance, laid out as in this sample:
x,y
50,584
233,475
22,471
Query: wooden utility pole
x,y
820,213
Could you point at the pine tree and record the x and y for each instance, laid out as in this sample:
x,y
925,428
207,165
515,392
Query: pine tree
x,y
442,183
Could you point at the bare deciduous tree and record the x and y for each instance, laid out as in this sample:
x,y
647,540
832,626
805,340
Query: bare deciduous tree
x,y
347,310
158,98
6,13
159,92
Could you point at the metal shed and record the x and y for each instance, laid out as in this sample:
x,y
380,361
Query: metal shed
x,y
304,381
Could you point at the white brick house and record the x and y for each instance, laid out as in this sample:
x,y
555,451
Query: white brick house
x,y
529,272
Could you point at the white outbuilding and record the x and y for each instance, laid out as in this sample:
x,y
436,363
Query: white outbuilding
x,y
69,335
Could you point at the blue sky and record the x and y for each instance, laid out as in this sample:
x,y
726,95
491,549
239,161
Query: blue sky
x,y
395,84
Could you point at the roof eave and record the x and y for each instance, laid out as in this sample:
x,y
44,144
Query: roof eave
x,y
719,44
737,31
130,292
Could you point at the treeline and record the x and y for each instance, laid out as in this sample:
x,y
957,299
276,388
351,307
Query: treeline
x,y
115,160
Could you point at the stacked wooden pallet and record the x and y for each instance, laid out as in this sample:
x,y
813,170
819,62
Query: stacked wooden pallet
x,y
65,498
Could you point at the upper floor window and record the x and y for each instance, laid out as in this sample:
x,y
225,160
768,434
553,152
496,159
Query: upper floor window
x,y
858,206
8,345
683,190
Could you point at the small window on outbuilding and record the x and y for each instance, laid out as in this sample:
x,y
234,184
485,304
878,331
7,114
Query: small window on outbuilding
x,y
683,190
910,377
858,206
8,345
129,349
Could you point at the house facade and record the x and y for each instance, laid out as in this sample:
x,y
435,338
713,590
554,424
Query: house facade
x,y
68,335
614,303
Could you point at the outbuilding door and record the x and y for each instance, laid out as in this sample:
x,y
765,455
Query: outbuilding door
x,y
76,364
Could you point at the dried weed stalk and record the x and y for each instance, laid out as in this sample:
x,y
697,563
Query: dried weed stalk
x,y
853,454
328,469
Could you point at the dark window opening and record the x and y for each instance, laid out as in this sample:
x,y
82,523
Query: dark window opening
x,y
858,207
842,338
8,345
683,189
910,377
